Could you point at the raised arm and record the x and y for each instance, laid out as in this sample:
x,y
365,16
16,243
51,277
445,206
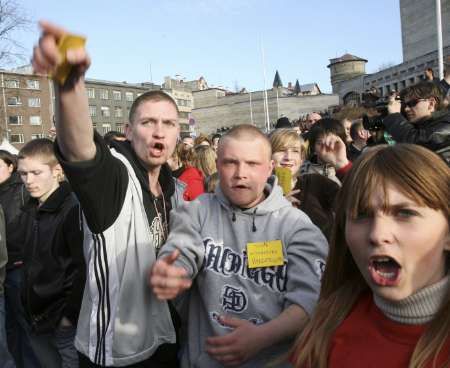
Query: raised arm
x,y
73,124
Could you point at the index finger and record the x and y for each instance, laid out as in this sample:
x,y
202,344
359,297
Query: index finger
x,y
50,28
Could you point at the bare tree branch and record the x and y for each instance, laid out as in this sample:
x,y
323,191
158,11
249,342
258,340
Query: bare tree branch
x,y
13,18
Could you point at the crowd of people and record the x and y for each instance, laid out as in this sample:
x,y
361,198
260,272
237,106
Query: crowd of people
x,y
313,245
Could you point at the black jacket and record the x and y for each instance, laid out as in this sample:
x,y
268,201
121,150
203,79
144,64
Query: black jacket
x,y
55,272
432,133
13,196
317,196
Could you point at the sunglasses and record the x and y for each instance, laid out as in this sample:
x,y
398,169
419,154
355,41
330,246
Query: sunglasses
x,y
414,102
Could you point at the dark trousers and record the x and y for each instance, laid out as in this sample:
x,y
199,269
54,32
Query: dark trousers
x,y
16,327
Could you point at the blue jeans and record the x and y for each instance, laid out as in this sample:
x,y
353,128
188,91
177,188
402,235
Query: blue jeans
x,y
6,360
16,327
57,349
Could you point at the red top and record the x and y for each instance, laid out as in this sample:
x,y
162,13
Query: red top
x,y
193,178
367,338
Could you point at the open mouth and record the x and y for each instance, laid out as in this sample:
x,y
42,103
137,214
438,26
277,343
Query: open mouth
x,y
157,149
240,186
384,270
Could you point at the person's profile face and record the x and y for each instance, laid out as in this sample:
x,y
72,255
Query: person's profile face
x,y
5,171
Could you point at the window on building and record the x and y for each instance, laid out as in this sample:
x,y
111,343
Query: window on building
x,y
32,84
105,111
119,128
104,94
12,83
35,120
90,92
38,135
403,84
380,91
129,96
117,95
16,138
411,81
183,115
14,101
118,112
15,120
34,102
106,127
396,87
92,110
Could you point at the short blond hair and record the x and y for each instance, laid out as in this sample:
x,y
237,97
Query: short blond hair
x,y
282,139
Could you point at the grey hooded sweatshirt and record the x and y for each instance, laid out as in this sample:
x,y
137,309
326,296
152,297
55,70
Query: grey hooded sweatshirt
x,y
212,237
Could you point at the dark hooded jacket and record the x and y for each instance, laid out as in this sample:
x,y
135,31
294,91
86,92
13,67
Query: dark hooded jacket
x,y
432,133
13,196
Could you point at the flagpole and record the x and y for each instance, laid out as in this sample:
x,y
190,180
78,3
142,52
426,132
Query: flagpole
x,y
251,108
266,101
439,39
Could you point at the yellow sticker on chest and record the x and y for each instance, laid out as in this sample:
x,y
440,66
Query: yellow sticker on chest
x,y
265,254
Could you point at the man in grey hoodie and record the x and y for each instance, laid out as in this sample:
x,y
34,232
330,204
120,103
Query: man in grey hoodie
x,y
255,262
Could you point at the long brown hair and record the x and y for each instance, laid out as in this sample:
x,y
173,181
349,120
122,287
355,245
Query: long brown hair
x,y
421,176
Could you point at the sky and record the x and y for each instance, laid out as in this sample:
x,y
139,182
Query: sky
x,y
222,40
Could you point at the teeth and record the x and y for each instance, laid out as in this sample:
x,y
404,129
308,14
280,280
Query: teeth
x,y
387,275
383,259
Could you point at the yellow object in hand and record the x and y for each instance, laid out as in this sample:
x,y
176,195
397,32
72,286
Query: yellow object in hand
x,y
284,176
66,42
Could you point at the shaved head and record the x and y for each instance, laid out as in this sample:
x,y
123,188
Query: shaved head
x,y
245,132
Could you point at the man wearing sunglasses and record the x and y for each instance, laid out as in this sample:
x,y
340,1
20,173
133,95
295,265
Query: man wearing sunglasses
x,y
417,118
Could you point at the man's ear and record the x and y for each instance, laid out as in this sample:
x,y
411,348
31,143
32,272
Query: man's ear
x,y
128,129
271,165
447,242
433,104
58,172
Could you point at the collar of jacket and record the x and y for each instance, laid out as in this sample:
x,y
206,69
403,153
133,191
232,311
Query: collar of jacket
x,y
53,202
274,200
439,116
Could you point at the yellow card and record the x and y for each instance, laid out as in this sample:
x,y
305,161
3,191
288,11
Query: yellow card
x,y
265,254
284,176
66,42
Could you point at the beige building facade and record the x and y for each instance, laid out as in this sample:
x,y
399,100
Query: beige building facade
x,y
110,102
216,109
26,106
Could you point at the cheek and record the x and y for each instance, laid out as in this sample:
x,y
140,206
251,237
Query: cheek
x,y
276,160
354,237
